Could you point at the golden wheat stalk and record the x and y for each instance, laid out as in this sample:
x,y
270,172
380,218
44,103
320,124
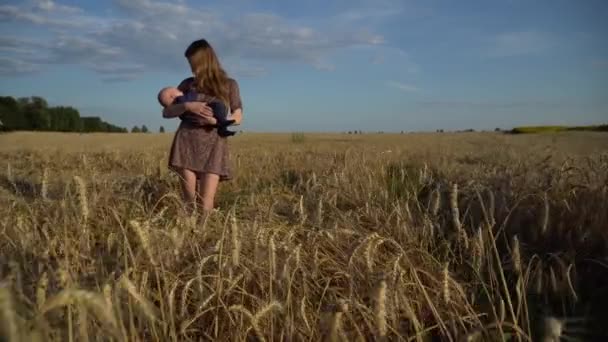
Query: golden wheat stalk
x,y
552,329
436,204
446,283
9,173
236,241
272,250
516,255
85,161
320,211
149,310
303,312
177,238
43,283
478,250
81,188
454,208
256,329
336,332
464,236
107,294
172,309
144,238
65,279
545,218
492,207
264,311
380,309
44,184
185,296
301,210
83,323
10,177
255,319
94,302
8,315
553,278
411,316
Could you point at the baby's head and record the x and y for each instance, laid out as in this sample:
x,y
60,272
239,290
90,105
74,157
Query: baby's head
x,y
167,95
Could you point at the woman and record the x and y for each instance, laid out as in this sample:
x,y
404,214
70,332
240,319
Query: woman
x,y
198,152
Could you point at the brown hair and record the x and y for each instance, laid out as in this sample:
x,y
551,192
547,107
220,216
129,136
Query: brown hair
x,y
209,76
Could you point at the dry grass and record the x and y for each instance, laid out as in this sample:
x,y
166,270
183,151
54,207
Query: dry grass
x,y
416,237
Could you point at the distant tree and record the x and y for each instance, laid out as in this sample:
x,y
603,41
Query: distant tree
x,y
35,111
162,129
93,124
65,119
135,129
11,115
497,129
144,129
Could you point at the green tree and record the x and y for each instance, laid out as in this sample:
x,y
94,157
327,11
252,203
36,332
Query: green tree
x,y
144,129
65,119
35,111
92,124
10,114
135,129
162,129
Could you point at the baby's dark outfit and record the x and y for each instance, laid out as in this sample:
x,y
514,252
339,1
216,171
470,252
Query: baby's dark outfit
x,y
220,112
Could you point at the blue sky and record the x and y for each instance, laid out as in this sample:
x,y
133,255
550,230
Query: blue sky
x,y
315,65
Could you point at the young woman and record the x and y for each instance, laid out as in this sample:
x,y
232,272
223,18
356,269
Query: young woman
x,y
198,153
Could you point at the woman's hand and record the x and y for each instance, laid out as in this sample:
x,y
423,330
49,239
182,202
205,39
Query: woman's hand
x,y
203,111
237,116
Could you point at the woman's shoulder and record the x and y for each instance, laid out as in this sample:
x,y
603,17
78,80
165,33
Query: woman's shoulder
x,y
186,83
233,85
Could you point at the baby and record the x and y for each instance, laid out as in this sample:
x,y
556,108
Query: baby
x,y
171,95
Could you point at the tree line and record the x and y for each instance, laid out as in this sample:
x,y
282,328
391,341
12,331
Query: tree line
x,y
34,114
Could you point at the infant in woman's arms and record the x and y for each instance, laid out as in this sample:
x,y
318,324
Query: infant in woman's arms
x,y
171,95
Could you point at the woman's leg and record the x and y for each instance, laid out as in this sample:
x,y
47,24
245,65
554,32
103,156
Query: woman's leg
x,y
188,182
207,189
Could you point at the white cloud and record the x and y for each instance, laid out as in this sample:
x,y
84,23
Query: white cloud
x,y
519,43
367,14
52,6
56,16
152,35
153,7
14,67
408,88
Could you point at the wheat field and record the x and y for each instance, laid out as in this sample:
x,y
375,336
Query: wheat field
x,y
327,237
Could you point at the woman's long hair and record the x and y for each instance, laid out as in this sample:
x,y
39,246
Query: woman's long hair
x,y
209,76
